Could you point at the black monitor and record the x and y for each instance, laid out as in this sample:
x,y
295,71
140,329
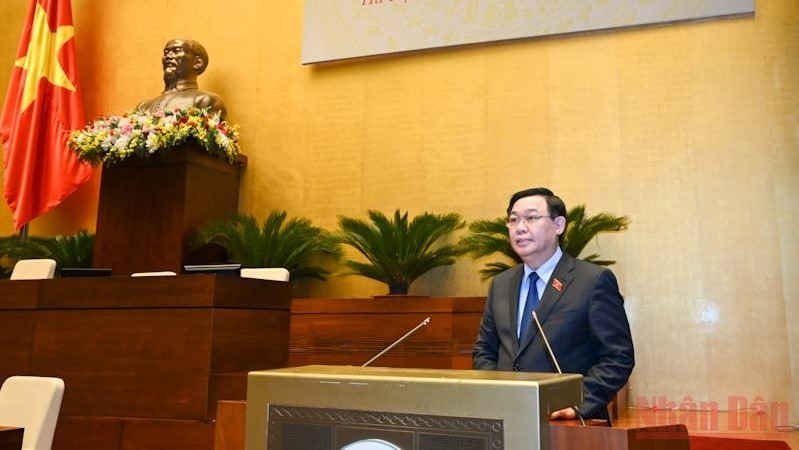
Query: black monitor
x,y
218,269
71,272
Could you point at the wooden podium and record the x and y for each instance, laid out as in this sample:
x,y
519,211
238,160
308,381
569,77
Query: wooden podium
x,y
330,407
327,407
150,208
144,360
563,435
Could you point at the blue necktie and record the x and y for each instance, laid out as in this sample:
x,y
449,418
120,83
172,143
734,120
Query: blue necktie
x,y
529,306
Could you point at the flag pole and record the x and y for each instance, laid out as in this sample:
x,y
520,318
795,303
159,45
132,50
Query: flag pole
x,y
23,232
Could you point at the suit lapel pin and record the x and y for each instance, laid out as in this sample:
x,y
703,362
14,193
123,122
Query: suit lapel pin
x,y
557,284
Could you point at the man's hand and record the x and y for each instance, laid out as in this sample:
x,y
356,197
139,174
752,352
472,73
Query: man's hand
x,y
564,414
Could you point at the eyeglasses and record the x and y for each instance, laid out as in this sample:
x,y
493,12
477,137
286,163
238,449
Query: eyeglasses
x,y
515,221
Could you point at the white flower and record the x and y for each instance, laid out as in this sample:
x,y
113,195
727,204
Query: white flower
x,y
151,143
113,138
168,121
122,142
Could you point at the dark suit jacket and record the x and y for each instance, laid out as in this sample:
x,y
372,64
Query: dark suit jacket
x,y
582,314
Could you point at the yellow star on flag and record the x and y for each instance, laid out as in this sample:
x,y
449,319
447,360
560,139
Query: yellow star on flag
x,y
41,59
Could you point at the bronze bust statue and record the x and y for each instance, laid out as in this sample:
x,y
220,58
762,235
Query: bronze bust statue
x,y
183,61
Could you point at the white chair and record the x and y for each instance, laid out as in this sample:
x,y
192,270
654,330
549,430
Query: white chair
x,y
32,403
33,269
165,273
266,273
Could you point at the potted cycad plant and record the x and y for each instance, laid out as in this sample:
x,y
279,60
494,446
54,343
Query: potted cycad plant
x,y
491,236
294,244
399,251
74,250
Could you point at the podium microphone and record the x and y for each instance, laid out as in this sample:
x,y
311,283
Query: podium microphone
x,y
404,336
555,360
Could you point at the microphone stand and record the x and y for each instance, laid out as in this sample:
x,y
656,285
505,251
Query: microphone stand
x,y
555,360
423,323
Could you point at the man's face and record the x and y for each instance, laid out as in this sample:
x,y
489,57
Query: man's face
x,y
178,60
534,242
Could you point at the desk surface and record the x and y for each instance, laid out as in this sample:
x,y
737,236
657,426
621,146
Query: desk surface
x,y
189,291
11,438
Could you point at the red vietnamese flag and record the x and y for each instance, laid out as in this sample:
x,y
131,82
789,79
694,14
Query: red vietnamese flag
x,y
41,108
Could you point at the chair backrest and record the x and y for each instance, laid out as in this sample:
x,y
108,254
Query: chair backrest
x,y
32,403
165,273
266,273
33,269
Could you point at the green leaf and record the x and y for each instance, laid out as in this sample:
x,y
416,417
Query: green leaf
x,y
398,251
74,250
279,242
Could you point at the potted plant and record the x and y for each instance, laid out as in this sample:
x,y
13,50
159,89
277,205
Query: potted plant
x,y
399,251
491,236
280,242
74,250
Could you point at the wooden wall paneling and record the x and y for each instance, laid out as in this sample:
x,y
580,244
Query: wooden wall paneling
x,y
352,331
465,325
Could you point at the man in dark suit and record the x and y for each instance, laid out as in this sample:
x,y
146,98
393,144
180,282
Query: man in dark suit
x,y
577,303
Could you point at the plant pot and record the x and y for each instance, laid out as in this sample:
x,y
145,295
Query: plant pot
x,y
398,288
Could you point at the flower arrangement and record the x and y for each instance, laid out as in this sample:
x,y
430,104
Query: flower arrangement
x,y
112,139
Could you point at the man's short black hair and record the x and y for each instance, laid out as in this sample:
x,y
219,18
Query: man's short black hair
x,y
554,203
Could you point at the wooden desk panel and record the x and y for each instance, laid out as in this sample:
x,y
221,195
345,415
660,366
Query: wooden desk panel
x,y
569,435
186,291
16,341
143,354
128,362
19,294
244,339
